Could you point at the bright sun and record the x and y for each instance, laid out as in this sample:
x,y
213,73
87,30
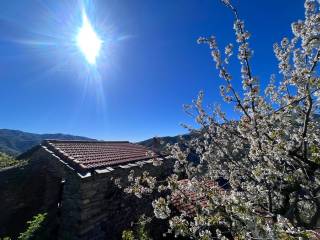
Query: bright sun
x,y
88,41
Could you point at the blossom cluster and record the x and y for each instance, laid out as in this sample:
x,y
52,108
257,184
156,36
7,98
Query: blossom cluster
x,y
268,160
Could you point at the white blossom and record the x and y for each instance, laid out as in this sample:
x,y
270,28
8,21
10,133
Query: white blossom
x,y
161,208
268,160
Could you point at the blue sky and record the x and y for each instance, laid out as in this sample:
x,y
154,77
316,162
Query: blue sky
x,y
149,66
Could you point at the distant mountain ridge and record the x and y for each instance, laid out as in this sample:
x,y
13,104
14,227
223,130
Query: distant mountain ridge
x,y
15,142
159,143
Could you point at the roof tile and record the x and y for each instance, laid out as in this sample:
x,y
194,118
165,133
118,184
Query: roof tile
x,y
97,154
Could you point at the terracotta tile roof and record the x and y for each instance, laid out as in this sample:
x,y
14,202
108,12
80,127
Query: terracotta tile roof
x,y
97,154
186,199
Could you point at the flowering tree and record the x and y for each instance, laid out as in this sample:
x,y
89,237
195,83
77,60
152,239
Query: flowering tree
x,y
269,158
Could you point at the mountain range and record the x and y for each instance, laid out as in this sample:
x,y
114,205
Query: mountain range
x,y
15,142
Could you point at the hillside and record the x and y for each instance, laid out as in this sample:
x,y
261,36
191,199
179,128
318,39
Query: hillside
x,y
15,142
159,143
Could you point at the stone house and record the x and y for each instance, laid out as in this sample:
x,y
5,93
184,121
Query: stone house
x,y
79,193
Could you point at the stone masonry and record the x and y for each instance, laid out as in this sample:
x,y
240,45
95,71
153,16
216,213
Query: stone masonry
x,y
88,205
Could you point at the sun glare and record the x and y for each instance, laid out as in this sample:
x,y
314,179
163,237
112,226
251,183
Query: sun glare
x,y
88,41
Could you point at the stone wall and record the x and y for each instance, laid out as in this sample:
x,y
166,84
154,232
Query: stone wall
x,y
94,208
26,191
91,207
106,210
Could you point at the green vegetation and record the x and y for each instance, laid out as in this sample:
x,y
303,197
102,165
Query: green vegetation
x,y
33,228
139,232
8,161
127,235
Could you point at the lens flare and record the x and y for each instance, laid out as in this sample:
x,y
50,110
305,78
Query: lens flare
x,y
88,41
